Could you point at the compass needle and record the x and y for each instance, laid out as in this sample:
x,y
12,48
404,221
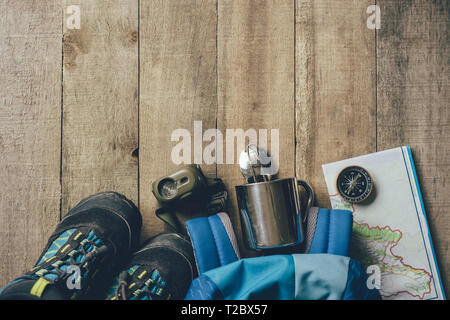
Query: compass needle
x,y
354,184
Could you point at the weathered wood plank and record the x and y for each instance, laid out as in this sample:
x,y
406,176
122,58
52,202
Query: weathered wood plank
x,y
178,87
255,82
100,101
335,87
30,96
413,102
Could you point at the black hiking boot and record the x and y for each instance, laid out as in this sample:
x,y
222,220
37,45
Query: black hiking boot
x,y
78,261
162,269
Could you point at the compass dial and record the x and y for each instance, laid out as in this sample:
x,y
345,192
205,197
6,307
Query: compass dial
x,y
354,184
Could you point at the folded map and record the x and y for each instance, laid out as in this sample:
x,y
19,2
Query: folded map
x,y
390,233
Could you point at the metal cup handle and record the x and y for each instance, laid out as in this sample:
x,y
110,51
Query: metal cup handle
x,y
310,192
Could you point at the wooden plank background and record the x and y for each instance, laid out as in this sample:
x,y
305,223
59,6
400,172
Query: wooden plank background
x,y
30,131
178,87
413,95
100,102
335,87
76,103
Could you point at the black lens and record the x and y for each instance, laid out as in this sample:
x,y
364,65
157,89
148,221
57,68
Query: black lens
x,y
167,188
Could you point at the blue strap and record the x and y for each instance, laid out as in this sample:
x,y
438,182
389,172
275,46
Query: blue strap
x,y
202,239
211,242
225,250
341,222
319,243
333,232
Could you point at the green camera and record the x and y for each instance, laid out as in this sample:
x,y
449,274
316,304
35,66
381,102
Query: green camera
x,y
188,193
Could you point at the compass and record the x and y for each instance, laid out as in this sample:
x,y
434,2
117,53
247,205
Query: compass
x,y
354,184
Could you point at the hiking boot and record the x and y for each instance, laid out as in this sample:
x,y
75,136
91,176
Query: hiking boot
x,y
78,261
162,269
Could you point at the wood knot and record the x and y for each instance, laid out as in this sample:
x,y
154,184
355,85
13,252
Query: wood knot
x,y
73,46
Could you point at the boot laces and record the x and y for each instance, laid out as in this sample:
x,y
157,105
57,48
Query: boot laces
x,y
123,291
85,259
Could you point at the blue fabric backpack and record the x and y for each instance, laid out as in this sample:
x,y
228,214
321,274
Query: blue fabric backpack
x,y
285,277
323,271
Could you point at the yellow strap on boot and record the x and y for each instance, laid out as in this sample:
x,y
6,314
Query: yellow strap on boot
x,y
39,286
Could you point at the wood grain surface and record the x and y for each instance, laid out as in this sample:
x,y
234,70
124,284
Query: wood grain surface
x,y
413,96
335,87
30,109
76,103
177,87
100,101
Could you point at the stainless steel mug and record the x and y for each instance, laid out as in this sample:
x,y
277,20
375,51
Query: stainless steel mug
x,y
270,212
